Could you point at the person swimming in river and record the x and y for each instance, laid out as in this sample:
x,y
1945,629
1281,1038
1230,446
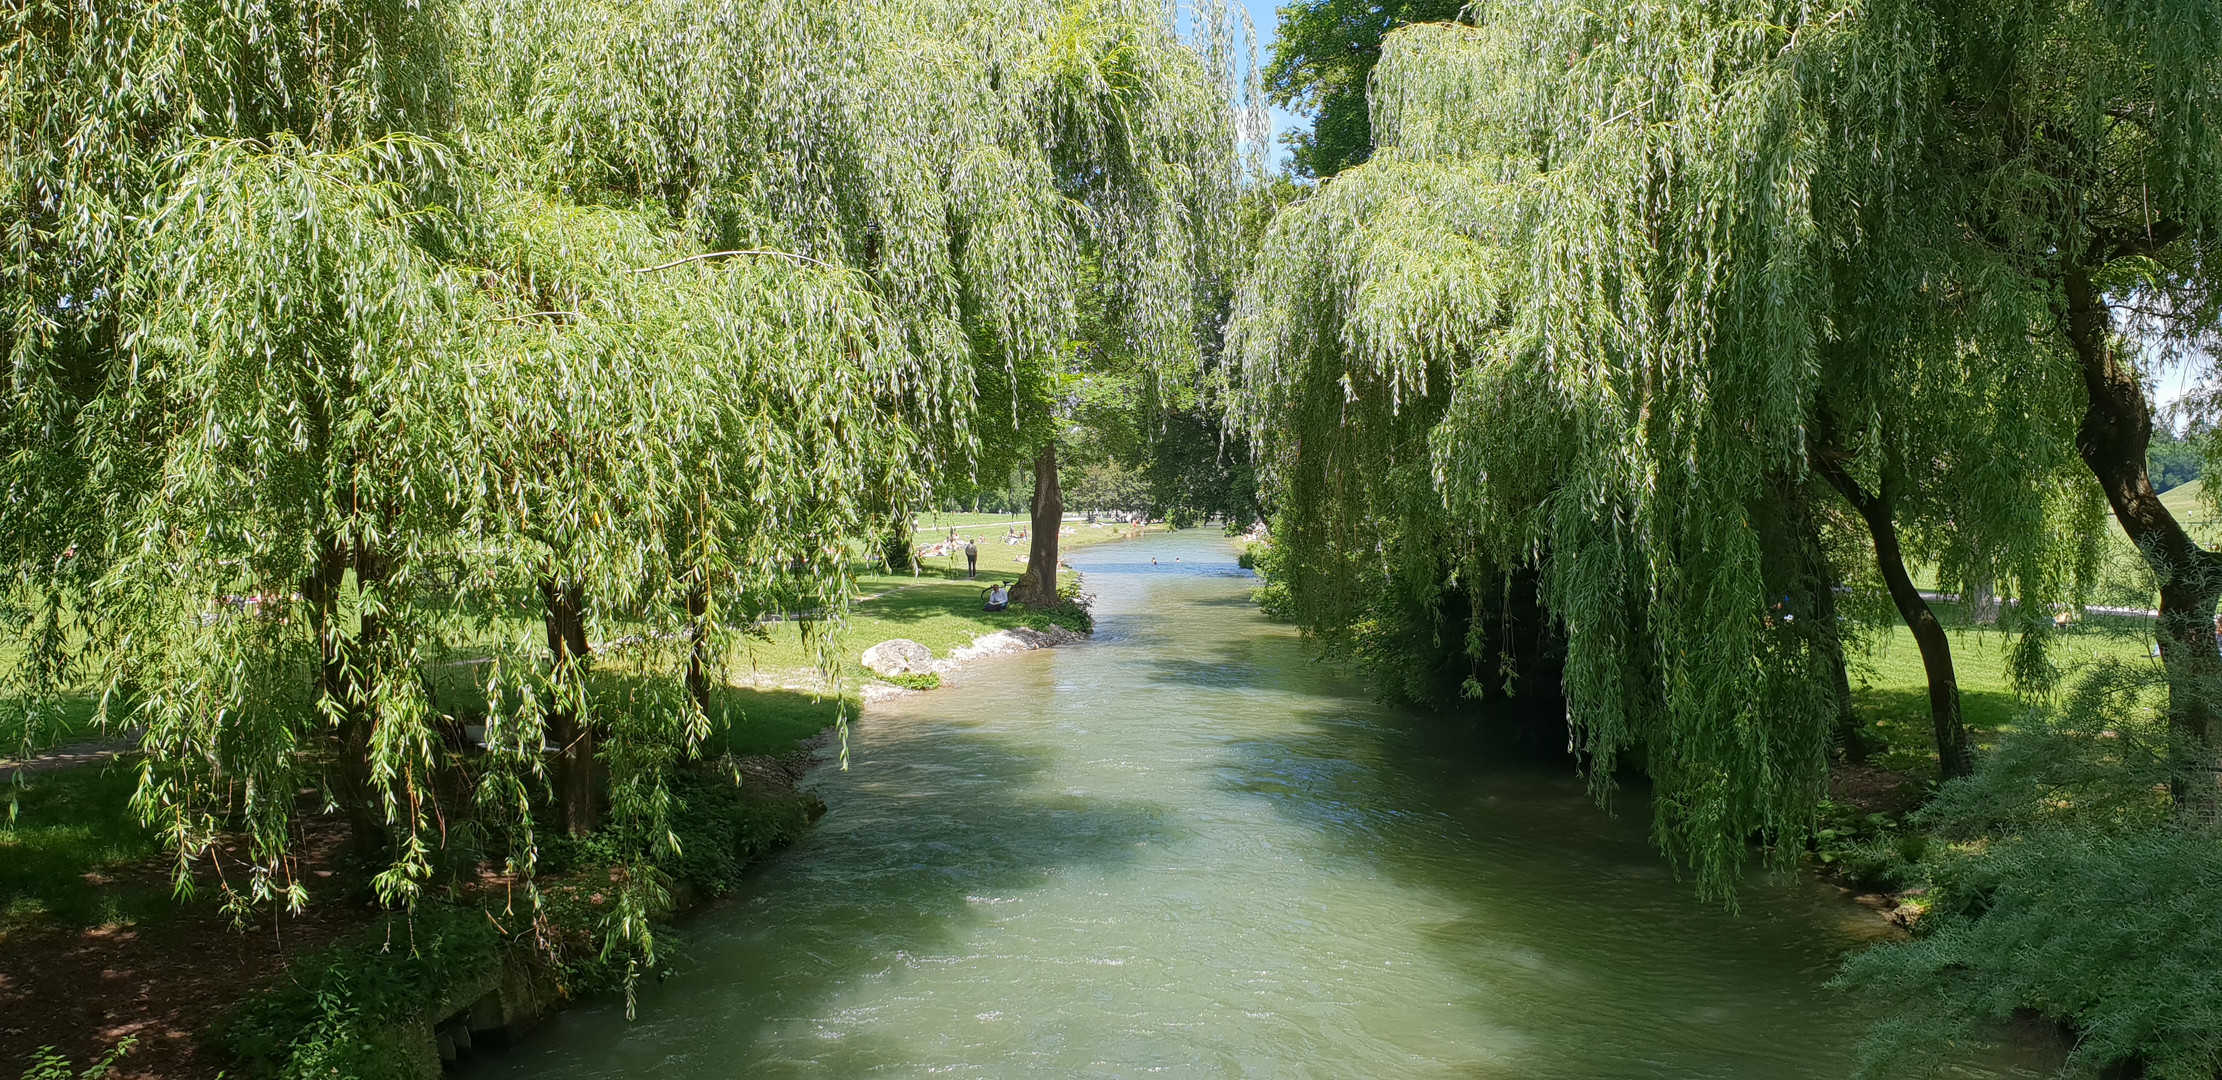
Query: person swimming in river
x,y
998,598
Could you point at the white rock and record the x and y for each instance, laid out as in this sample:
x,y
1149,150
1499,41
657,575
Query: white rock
x,y
1015,639
899,656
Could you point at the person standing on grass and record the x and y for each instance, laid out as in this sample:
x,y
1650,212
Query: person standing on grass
x,y
971,559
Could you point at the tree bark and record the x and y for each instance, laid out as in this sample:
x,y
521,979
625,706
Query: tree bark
x,y
1955,754
344,696
2113,439
1037,587
565,618
1794,562
698,647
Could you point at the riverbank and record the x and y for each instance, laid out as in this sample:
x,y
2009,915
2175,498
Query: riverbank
x,y
95,950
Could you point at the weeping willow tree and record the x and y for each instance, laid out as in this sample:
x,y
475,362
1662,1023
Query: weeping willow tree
x,y
571,337
2077,147
1586,311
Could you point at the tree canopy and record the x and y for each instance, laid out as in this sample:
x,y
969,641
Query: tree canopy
x,y
349,342
1606,277
1323,59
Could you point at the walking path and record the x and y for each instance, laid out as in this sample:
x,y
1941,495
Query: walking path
x,y
78,753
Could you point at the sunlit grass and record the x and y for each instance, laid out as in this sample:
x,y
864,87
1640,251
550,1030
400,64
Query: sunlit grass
x,y
1890,689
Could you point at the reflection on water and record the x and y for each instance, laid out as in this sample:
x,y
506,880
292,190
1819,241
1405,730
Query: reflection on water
x,y
1187,850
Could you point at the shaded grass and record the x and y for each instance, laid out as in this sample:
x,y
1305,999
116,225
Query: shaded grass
x,y
748,722
70,825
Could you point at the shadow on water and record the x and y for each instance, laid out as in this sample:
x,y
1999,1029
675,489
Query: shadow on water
x,y
917,853
1585,937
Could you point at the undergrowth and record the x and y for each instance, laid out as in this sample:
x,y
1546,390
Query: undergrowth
x,y
2061,886
1071,612
337,1015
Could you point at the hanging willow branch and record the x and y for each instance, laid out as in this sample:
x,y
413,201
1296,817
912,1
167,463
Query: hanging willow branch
x,y
729,254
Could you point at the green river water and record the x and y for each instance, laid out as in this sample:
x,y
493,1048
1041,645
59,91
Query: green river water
x,y
1187,850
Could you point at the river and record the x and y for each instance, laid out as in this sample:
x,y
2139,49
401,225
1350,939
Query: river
x,y
1185,849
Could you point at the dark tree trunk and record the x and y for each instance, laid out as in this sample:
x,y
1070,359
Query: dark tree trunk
x,y
1955,754
2113,438
698,647
574,738
1795,564
343,696
1037,587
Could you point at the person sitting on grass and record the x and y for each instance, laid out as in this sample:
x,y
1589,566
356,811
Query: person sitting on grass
x,y
998,598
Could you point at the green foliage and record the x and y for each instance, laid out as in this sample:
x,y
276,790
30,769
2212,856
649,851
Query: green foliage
x,y
2176,460
921,680
347,342
724,827
1608,278
1272,592
337,1015
2109,935
1871,850
1324,53
1072,611
48,1065
2060,884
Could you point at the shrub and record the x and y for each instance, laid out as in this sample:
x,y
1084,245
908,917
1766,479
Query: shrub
x,y
1071,612
2061,886
331,1018
46,1064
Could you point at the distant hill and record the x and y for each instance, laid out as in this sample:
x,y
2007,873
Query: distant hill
x,y
2188,503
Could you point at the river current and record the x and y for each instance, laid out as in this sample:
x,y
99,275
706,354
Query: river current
x,y
1187,849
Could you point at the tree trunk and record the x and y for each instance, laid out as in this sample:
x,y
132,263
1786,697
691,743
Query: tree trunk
x,y
698,646
1955,754
1037,587
1794,563
574,738
344,697
2113,439
1982,601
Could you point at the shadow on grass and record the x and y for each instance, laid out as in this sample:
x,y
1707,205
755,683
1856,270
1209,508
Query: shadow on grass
x,y
746,721
1897,718
71,825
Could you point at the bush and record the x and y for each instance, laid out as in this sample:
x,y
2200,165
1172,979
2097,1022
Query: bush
x,y
1272,593
1071,612
1870,851
332,1018
2061,886
46,1064
724,827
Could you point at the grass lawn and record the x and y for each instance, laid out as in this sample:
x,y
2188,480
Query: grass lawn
x,y
73,723
999,558
1890,690
69,826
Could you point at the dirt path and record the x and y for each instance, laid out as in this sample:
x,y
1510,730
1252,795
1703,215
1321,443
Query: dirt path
x,y
78,753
